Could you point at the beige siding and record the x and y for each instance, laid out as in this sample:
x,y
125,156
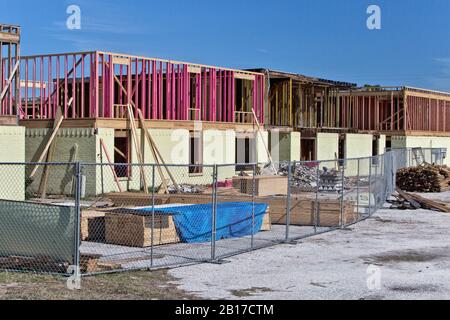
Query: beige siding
x,y
327,145
12,149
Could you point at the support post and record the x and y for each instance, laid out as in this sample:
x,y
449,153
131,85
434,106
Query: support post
x,y
357,188
341,202
370,187
153,216
253,205
214,214
316,206
288,202
77,219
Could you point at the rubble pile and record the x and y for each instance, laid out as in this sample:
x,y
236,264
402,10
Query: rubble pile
x,y
187,188
305,178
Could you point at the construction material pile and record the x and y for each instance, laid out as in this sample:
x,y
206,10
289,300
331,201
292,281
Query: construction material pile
x,y
307,178
424,178
409,201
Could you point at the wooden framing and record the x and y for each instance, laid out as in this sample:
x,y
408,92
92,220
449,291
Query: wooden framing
x,y
9,70
396,110
298,101
102,84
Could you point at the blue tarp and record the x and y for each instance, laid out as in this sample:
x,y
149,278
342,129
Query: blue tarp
x,y
233,220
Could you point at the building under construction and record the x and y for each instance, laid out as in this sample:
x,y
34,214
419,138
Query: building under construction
x,y
12,136
102,107
317,119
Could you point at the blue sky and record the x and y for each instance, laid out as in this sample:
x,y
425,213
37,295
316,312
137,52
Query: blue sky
x,y
324,38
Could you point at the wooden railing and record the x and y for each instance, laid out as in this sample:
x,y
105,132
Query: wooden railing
x,y
243,117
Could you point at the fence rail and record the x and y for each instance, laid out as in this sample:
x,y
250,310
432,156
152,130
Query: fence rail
x,y
101,218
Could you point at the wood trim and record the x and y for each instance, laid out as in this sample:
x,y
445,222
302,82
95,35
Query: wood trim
x,y
416,133
244,76
123,124
8,37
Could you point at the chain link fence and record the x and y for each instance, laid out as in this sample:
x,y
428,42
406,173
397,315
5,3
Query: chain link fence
x,y
100,218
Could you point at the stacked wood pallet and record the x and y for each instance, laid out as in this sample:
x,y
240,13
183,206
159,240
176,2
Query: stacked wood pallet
x,y
92,226
264,185
424,178
302,209
125,227
311,212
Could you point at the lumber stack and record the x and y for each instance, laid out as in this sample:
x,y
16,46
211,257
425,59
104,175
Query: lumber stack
x,y
264,185
310,212
424,178
302,208
123,227
416,202
92,226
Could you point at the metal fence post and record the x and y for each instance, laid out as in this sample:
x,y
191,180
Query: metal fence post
x,y
342,194
253,205
377,163
153,216
288,201
214,213
370,187
316,204
357,188
77,218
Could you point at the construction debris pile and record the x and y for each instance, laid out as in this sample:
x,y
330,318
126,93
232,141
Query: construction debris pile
x,y
424,178
187,188
409,201
307,178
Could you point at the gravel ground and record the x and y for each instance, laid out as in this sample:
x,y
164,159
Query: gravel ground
x,y
407,251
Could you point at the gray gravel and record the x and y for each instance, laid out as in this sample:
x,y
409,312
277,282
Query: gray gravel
x,y
411,250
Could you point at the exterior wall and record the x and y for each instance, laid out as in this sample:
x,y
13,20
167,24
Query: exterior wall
x,y
219,148
104,181
398,142
382,144
295,146
84,145
261,143
426,142
71,145
12,149
280,148
327,145
285,146
358,146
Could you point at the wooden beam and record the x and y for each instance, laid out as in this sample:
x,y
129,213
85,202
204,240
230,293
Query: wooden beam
x,y
47,146
138,149
9,37
9,81
155,150
51,151
152,149
262,138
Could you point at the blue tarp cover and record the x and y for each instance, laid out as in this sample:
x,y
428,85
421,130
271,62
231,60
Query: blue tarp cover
x,y
233,220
